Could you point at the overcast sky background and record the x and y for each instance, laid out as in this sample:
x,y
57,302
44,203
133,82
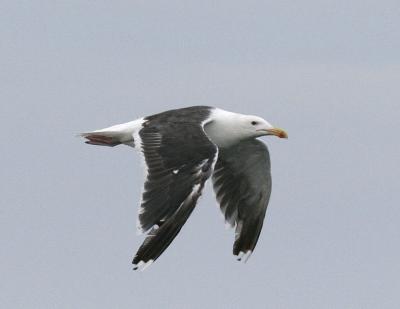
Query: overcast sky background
x,y
326,71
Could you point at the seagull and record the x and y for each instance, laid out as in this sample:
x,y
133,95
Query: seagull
x,y
182,149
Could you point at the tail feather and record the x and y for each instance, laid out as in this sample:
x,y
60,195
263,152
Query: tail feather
x,y
102,138
114,135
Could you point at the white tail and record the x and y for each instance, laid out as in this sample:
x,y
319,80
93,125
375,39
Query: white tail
x,y
115,135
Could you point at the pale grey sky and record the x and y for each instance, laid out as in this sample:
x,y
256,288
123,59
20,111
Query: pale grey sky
x,y
326,71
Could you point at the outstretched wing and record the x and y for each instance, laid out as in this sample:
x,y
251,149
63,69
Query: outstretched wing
x,y
242,183
179,158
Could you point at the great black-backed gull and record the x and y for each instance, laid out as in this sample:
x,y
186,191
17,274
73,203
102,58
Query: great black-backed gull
x,y
182,148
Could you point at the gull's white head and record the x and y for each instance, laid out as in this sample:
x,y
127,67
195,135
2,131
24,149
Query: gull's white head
x,y
253,126
227,128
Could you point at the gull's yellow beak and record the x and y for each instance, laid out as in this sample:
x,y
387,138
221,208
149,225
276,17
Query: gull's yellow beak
x,y
278,132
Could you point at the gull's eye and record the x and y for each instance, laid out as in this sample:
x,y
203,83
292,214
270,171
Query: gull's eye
x,y
254,123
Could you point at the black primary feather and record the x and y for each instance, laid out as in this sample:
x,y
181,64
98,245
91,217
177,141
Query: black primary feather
x,y
179,157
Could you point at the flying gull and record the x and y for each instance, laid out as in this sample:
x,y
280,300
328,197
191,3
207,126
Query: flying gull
x,y
184,147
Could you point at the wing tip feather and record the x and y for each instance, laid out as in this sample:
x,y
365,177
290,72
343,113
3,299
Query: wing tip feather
x,y
142,265
244,256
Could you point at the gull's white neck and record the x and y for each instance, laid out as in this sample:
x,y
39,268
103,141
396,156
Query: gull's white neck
x,y
222,128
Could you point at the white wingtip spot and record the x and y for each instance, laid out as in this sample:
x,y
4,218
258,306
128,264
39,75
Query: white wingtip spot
x,y
247,256
141,266
244,256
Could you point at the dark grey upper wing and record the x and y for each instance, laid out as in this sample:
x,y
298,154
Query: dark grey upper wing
x,y
179,158
242,183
